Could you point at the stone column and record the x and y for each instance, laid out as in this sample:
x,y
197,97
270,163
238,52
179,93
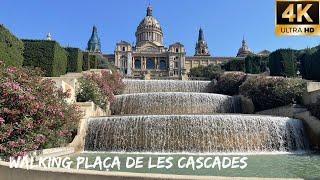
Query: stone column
x,y
129,64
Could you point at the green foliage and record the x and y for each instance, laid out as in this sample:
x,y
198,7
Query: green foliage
x,y
210,72
310,64
272,92
90,91
75,59
100,88
235,65
105,64
11,48
282,62
90,61
229,83
47,55
255,64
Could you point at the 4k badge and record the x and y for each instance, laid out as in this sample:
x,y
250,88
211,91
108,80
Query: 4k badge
x,y
297,17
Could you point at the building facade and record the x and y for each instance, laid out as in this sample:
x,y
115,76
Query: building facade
x,y
149,55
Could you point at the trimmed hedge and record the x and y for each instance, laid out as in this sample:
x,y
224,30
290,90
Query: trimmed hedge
x,y
11,48
272,92
283,62
90,61
75,59
48,55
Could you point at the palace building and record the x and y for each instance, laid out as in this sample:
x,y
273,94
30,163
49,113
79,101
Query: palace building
x,y
149,55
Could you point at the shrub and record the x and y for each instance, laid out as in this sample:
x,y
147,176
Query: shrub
x,y
235,65
197,71
11,48
267,93
282,62
33,113
75,59
100,88
229,83
47,55
90,91
210,72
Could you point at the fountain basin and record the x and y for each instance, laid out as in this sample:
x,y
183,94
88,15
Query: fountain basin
x,y
196,133
175,103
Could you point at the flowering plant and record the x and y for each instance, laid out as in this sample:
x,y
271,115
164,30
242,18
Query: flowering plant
x,y
100,88
33,112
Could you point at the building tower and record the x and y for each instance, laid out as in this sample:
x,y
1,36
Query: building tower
x,y
149,30
94,44
201,45
244,50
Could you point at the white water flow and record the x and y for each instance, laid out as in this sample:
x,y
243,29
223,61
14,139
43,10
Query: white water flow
x,y
145,86
196,133
174,103
169,116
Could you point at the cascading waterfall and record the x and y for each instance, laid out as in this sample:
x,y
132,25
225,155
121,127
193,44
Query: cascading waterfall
x,y
168,116
174,103
142,86
195,133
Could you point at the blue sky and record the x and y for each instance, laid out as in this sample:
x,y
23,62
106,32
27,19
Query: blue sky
x,y
224,22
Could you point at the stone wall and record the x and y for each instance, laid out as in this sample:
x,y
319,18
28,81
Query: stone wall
x,y
69,82
310,97
313,86
284,111
90,110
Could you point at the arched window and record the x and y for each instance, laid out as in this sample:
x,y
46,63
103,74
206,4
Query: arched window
x,y
150,63
123,48
177,50
163,65
137,64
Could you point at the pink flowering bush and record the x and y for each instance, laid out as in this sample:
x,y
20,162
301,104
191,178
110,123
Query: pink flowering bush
x,y
33,112
100,88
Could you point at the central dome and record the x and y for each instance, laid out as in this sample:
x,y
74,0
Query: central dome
x,y
149,30
149,22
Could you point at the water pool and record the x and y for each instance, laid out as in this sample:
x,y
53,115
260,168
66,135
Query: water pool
x,y
258,165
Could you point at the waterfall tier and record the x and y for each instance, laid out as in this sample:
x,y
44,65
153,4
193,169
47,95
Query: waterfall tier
x,y
145,86
174,103
195,133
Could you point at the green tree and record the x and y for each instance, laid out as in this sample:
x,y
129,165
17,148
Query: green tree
x,y
283,62
255,64
235,65
310,65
